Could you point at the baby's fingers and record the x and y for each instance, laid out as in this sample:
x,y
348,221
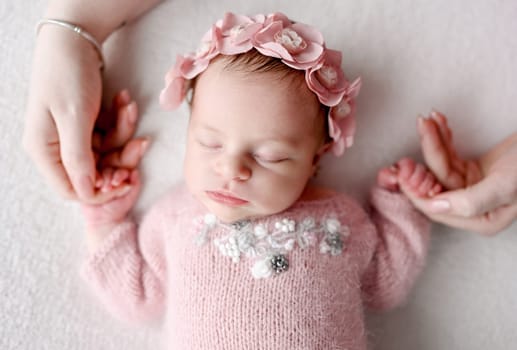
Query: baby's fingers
x,y
387,178
429,186
129,156
119,176
107,176
110,178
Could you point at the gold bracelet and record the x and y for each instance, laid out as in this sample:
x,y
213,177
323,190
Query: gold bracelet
x,y
76,29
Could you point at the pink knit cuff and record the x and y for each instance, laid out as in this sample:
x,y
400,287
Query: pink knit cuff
x,y
380,197
114,246
396,207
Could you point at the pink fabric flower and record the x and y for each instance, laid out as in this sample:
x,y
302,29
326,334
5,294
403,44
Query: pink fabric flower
x,y
298,45
276,17
175,88
208,49
188,67
341,120
237,32
326,79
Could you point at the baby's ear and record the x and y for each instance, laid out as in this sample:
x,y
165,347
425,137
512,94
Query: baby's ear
x,y
317,157
320,152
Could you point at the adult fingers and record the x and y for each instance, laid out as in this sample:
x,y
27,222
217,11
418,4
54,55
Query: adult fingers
x,y
124,129
488,194
107,116
446,135
436,154
75,132
129,156
41,143
488,223
117,124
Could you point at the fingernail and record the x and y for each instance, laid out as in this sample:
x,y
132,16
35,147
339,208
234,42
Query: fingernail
x,y
440,206
420,124
435,113
131,112
125,190
98,183
143,147
124,96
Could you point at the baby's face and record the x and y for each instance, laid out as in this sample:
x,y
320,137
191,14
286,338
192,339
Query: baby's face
x,y
251,143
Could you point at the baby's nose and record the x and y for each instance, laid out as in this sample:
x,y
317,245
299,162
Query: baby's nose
x,y
233,168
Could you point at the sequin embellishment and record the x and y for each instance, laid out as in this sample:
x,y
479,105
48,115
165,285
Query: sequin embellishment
x,y
269,247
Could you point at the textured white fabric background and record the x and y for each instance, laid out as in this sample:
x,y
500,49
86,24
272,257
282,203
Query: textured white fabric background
x,y
455,55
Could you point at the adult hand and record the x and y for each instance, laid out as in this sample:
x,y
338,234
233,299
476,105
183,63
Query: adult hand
x,y
481,194
62,109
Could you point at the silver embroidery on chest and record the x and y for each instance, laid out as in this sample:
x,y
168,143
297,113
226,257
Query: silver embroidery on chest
x,y
269,246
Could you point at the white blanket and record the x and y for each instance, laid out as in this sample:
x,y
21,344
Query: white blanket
x,y
457,56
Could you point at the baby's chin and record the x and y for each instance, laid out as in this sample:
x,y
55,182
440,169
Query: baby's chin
x,y
228,215
225,214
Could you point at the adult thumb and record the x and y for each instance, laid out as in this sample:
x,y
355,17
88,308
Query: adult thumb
x,y
486,195
78,159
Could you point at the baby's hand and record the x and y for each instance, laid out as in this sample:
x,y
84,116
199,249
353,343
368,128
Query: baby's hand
x,y
414,179
115,148
127,185
111,178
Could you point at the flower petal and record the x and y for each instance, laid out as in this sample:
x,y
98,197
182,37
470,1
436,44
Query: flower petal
x,y
227,47
278,17
309,33
173,94
231,20
274,49
311,54
353,90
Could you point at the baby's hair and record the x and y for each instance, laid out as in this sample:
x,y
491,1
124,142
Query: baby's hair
x,y
254,62
299,46
264,43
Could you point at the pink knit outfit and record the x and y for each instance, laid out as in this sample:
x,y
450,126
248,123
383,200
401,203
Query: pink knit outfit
x,y
294,280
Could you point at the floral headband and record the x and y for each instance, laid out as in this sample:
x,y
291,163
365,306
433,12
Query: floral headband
x,y
298,45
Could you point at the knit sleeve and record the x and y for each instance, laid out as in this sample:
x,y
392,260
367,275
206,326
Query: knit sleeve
x,y
400,250
128,271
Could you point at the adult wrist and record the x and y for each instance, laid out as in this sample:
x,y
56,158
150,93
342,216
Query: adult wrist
x,y
91,21
77,30
98,17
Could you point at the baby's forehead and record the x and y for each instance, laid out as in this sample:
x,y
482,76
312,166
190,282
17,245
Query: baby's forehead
x,y
273,87
268,103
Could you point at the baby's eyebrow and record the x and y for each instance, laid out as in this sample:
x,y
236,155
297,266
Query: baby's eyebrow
x,y
290,141
209,128
281,140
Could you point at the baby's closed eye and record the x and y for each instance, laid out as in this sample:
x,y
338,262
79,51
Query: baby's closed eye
x,y
270,158
209,143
